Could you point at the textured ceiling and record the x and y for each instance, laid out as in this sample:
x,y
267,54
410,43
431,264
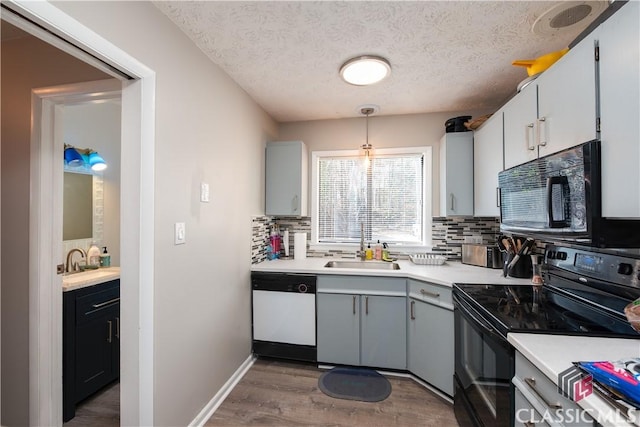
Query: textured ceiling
x,y
445,56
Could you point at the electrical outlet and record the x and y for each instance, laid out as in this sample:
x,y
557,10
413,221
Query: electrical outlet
x,y
180,236
204,192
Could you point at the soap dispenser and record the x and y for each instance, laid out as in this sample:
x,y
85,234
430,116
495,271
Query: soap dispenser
x,y
93,256
105,258
378,251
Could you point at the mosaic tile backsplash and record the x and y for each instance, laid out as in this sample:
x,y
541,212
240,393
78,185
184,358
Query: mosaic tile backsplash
x,y
448,234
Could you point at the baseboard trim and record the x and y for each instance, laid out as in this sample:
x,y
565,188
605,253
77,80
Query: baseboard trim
x,y
222,394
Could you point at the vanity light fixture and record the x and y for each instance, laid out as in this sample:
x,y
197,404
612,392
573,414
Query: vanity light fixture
x,y
96,161
72,157
83,158
365,70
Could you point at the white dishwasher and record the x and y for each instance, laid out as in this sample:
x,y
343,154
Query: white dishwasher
x,y
284,315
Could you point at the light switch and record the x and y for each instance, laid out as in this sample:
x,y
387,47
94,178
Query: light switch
x,y
204,192
180,233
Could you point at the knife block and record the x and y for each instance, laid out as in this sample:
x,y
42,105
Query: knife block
x,y
523,268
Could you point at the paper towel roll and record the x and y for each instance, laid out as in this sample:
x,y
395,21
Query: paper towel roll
x,y
285,241
299,245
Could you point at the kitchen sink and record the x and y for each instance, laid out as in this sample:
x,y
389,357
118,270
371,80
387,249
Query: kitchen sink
x,y
364,265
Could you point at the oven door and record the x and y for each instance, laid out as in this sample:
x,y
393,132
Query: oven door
x,y
484,367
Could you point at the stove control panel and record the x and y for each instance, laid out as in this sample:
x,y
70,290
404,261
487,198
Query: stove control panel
x,y
620,268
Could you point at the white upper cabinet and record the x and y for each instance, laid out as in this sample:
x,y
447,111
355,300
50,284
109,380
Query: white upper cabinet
x,y
567,100
456,174
520,118
619,40
488,161
286,178
555,111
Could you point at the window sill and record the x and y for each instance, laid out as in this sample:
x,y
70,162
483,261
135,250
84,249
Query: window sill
x,y
350,247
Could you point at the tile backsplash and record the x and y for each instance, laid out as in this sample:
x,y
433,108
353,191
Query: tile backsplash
x,y
448,234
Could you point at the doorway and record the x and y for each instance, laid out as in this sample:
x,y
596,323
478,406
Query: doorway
x,y
83,117
44,305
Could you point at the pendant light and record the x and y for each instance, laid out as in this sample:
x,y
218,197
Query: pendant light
x,y
367,147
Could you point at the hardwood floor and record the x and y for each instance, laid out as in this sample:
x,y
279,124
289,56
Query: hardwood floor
x,y
275,393
99,410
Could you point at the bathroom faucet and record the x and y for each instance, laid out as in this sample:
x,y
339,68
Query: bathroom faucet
x,y
70,258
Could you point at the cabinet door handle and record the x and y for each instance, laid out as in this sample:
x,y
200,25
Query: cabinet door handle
x,y
102,304
529,136
529,424
452,201
354,305
429,294
366,305
531,382
295,203
413,313
118,327
110,323
542,142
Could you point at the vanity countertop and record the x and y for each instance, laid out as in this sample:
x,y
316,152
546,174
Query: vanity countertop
x,y
89,278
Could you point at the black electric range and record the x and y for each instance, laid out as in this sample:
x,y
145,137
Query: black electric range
x,y
584,293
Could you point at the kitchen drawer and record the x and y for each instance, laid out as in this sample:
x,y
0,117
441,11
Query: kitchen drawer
x,y
430,293
526,414
546,393
96,300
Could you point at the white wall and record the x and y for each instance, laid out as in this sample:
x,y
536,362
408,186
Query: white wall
x,y
384,132
207,130
96,125
22,70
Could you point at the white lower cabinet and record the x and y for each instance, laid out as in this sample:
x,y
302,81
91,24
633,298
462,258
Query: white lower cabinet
x,y
362,321
430,334
539,403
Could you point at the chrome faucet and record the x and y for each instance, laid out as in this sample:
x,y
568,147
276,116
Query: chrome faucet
x,y
74,267
362,252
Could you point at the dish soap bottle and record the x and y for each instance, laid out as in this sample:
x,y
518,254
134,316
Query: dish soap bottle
x,y
368,253
105,258
93,256
378,251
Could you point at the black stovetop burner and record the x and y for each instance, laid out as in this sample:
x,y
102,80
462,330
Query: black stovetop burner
x,y
542,310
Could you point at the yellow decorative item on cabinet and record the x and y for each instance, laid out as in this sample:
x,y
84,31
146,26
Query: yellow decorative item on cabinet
x,y
538,65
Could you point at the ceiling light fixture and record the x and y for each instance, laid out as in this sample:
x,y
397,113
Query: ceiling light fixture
x,y
365,70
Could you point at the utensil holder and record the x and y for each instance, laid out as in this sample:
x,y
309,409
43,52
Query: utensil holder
x,y
522,269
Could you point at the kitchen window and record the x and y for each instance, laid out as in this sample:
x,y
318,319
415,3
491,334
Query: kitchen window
x,y
390,194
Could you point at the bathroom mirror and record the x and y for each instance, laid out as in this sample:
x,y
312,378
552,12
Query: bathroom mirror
x,y
77,206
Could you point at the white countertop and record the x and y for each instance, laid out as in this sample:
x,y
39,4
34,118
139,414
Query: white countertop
x,y
89,278
553,354
448,274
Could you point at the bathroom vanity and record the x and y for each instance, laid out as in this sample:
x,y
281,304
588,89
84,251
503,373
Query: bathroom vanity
x,y
90,335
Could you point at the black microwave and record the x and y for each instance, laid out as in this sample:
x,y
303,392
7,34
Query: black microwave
x,y
558,197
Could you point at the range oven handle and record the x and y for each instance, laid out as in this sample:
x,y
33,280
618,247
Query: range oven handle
x,y
468,313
